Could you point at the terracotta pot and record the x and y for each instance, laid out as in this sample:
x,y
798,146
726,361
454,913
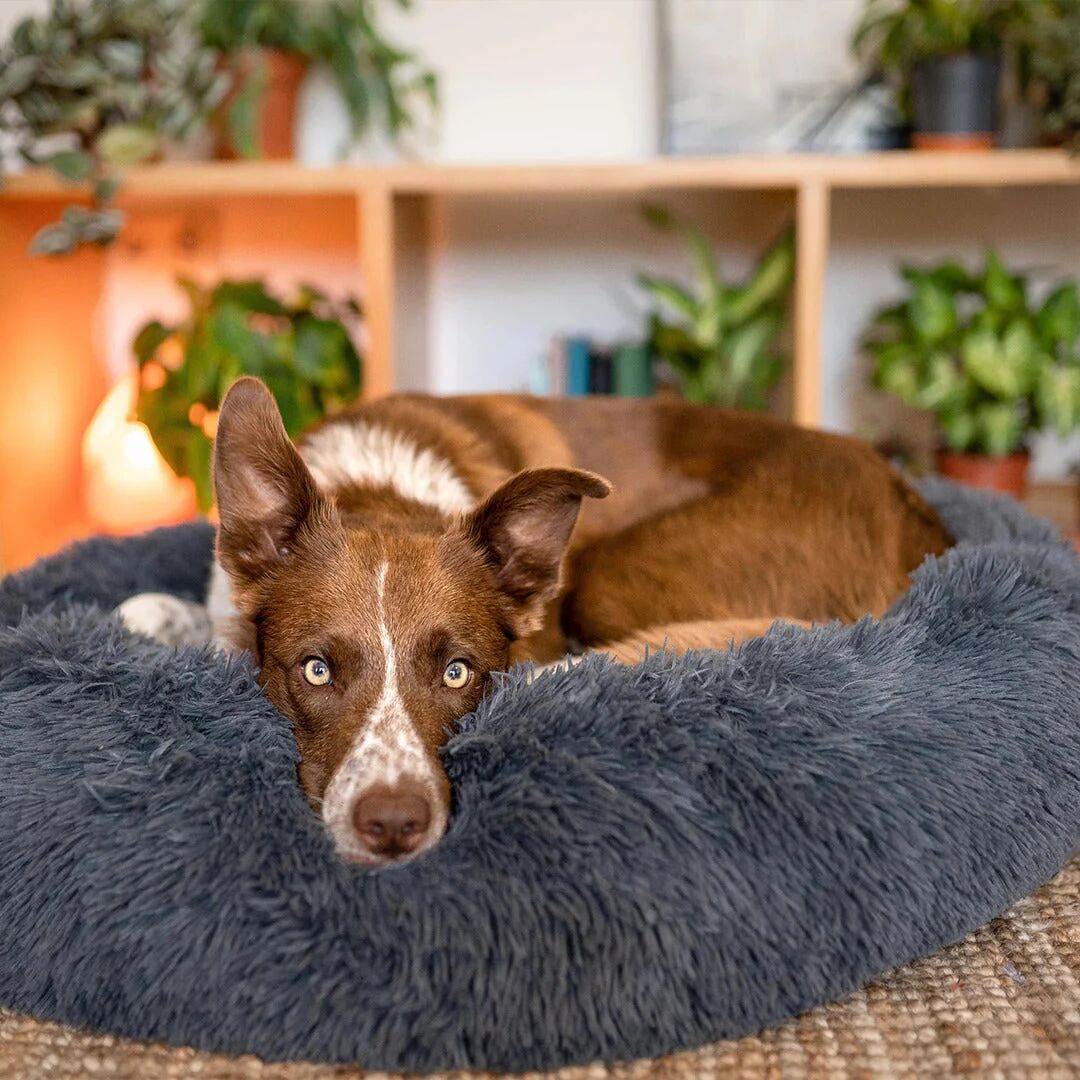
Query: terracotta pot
x,y
275,123
1007,474
925,140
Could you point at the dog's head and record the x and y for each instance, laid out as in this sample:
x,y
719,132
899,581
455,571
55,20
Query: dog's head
x,y
378,625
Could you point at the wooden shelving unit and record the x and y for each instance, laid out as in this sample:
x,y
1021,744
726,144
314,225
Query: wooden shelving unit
x,y
389,212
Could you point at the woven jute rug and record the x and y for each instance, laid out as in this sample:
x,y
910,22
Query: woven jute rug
x,y
1003,1003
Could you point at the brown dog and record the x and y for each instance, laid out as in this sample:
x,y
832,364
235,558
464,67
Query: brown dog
x,y
383,568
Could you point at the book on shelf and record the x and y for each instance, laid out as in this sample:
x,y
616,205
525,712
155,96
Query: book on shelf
x,y
575,367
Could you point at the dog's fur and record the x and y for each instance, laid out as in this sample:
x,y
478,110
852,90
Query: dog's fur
x,y
410,534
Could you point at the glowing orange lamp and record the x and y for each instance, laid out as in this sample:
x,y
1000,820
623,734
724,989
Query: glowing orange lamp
x,y
127,484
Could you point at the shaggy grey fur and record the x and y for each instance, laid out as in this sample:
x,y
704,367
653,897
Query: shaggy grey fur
x,y
640,859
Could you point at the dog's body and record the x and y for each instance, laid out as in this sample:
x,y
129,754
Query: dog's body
x,y
414,545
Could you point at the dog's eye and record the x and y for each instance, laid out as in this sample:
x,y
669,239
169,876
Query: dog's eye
x,y
316,671
457,674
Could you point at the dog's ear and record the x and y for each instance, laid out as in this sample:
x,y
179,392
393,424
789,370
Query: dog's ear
x,y
523,528
265,494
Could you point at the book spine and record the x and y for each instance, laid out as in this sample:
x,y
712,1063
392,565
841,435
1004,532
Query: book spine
x,y
577,366
557,364
632,371
600,372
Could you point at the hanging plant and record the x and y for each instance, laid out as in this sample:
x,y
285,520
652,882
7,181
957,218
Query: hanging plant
x,y
89,89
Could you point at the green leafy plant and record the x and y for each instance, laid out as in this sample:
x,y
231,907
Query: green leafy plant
x,y
1052,43
90,88
301,347
972,349
894,35
380,82
720,339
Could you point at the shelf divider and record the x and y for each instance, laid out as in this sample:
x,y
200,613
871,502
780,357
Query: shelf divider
x,y
812,207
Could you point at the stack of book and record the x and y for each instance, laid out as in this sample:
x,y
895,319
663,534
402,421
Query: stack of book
x,y
576,367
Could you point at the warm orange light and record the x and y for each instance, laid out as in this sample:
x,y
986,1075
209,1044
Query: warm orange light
x,y
171,353
153,375
128,486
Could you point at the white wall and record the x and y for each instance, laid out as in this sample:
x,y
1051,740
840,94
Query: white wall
x,y
521,80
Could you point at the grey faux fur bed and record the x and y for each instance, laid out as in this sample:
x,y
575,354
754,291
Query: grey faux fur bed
x,y
640,858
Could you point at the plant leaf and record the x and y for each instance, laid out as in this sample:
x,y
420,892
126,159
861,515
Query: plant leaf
x,y
959,430
769,282
1059,317
942,384
18,76
1003,290
932,311
984,361
127,144
658,216
1058,398
896,371
244,112
252,295
747,354
1020,351
55,239
671,295
200,452
320,353
105,190
149,339
999,427
71,165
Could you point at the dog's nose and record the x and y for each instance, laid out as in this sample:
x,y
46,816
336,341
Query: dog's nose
x,y
392,822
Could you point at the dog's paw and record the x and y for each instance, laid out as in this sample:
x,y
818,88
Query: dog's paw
x,y
167,619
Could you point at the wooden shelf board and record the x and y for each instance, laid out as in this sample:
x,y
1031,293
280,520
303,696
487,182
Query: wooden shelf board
x,y
891,169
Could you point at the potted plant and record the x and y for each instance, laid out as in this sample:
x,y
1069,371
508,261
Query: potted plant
x,y
88,89
270,44
991,366
300,346
944,56
1052,45
718,338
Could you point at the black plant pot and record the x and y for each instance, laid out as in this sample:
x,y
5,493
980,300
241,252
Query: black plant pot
x,y
955,101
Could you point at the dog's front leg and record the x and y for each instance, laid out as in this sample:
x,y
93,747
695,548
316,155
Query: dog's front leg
x,y
167,619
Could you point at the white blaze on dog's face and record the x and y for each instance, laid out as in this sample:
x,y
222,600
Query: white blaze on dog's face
x,y
378,621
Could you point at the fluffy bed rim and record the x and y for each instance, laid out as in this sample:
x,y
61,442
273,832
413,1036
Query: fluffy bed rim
x,y
640,859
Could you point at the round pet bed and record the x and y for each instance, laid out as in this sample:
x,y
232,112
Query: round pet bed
x,y
640,858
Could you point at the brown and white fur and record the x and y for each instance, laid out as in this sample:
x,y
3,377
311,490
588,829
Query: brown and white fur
x,y
411,543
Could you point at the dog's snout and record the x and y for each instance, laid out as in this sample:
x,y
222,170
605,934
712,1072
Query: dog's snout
x,y
392,822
